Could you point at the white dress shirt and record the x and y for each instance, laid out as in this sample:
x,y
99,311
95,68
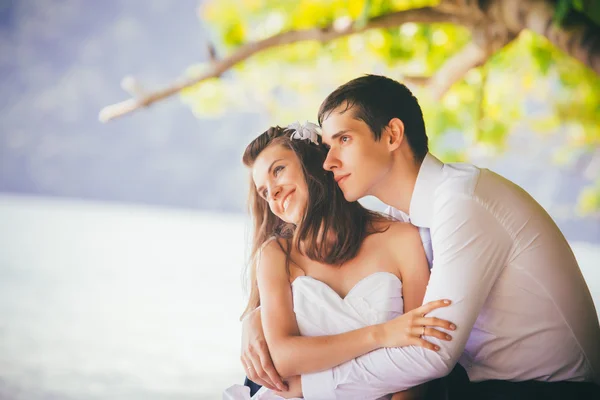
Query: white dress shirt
x,y
522,308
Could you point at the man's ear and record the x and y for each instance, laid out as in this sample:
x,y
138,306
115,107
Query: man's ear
x,y
395,136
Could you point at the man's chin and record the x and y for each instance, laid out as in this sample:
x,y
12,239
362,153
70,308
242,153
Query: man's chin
x,y
350,197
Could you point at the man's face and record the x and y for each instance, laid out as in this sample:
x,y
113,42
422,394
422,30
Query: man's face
x,y
357,161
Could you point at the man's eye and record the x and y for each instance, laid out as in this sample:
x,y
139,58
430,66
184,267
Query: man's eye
x,y
277,170
344,139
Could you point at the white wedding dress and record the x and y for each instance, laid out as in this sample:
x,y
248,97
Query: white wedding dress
x,y
321,311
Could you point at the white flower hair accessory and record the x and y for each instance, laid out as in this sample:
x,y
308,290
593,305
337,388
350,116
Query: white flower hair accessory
x,y
308,130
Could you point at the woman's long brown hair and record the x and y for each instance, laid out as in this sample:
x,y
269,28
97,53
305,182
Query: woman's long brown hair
x,y
332,228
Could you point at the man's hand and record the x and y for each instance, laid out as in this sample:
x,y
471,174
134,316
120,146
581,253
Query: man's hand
x,y
255,354
410,328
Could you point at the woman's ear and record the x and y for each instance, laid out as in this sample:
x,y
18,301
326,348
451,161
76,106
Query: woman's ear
x,y
395,136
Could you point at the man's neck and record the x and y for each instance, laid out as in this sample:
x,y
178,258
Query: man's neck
x,y
397,188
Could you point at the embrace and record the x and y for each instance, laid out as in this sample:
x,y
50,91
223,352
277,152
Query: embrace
x,y
464,289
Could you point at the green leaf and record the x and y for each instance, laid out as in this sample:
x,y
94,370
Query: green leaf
x,y
561,10
364,15
589,200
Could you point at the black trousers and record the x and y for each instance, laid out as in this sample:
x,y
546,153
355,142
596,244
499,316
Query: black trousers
x,y
456,386
253,386
500,390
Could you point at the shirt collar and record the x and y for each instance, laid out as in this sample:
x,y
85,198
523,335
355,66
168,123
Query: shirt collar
x,y
421,203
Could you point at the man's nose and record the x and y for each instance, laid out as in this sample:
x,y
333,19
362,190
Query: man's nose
x,y
331,161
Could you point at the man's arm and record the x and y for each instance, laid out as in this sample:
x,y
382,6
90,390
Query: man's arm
x,y
293,354
471,248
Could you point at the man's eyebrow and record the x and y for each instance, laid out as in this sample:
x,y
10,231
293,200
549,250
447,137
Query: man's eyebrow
x,y
339,133
260,189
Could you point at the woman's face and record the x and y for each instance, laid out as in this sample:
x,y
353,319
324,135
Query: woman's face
x,y
279,179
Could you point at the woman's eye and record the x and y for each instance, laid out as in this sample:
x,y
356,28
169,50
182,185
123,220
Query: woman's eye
x,y
265,193
277,170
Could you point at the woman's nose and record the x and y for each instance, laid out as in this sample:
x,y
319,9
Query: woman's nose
x,y
274,192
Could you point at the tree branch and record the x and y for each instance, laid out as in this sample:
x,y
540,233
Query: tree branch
x,y
337,30
578,36
502,21
488,38
580,39
455,68
480,112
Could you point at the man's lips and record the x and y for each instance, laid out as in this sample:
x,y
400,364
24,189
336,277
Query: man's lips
x,y
339,179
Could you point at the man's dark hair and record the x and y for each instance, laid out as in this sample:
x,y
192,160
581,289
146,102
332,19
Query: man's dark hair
x,y
376,100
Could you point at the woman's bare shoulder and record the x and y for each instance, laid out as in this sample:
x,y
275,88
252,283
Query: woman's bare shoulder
x,y
272,250
394,228
400,234
274,257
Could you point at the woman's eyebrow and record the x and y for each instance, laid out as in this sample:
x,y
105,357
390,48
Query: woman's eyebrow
x,y
273,163
260,189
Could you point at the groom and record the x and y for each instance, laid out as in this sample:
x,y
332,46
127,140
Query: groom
x,y
526,323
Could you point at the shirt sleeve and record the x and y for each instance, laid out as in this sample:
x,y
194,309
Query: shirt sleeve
x,y
471,248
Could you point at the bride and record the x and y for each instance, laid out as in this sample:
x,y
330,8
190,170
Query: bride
x,y
330,276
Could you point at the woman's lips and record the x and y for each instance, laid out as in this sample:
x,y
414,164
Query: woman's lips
x,y
287,199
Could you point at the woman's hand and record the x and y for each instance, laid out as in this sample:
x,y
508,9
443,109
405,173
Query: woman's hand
x,y
409,328
294,388
255,357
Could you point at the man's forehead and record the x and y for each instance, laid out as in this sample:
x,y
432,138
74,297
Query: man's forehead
x,y
337,122
335,118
